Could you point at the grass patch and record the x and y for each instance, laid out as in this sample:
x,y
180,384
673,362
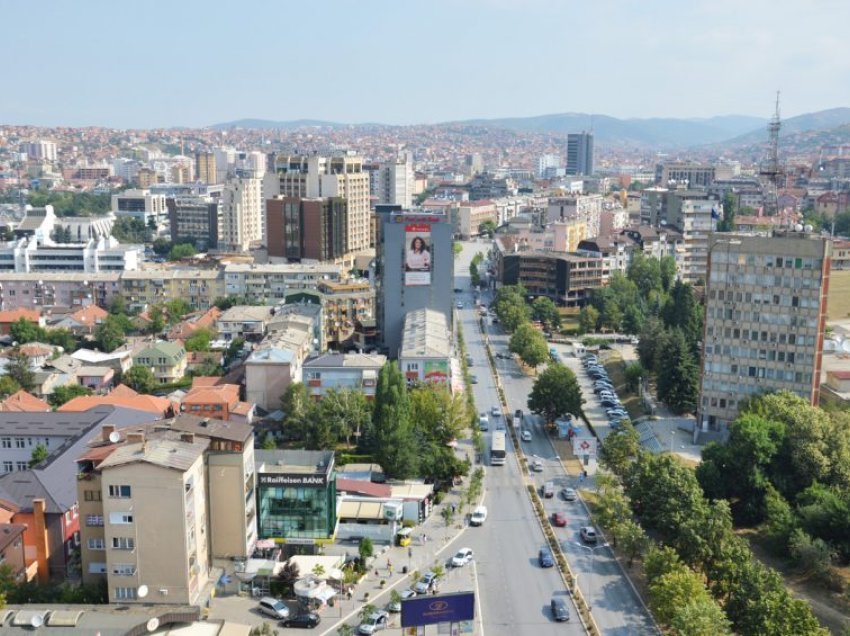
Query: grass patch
x,y
615,367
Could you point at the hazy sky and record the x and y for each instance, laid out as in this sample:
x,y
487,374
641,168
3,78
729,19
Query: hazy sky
x,y
155,63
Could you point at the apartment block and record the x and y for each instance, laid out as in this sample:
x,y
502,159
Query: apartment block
x,y
160,501
695,215
195,219
307,229
141,204
198,287
691,173
586,209
580,154
395,182
242,214
205,167
764,320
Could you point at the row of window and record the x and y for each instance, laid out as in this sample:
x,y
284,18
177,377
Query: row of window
x,y
767,318
769,261
782,375
118,543
768,281
10,467
21,442
769,355
116,518
765,336
767,298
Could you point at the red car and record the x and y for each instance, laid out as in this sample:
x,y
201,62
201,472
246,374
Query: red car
x,y
559,519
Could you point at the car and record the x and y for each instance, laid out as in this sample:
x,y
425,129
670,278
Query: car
x,y
458,290
603,383
537,466
478,516
569,494
427,583
273,607
473,379
559,519
526,435
484,423
607,393
469,360
634,340
376,621
496,411
598,375
503,356
545,559
617,412
608,402
518,415
460,305
463,556
395,607
305,619
588,534
560,611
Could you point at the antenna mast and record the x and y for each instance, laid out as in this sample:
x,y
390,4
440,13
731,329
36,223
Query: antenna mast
x,y
772,171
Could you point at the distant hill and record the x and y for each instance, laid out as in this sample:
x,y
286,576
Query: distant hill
x,y
823,120
268,124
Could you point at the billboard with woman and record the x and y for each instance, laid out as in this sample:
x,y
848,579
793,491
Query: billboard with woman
x,y
417,254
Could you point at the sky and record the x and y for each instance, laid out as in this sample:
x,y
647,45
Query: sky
x,y
189,63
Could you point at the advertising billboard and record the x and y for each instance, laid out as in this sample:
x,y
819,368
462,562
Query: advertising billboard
x,y
442,608
417,254
437,371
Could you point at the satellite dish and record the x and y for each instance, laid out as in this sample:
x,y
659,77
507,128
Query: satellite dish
x,y
142,592
798,228
808,228
114,437
37,620
153,624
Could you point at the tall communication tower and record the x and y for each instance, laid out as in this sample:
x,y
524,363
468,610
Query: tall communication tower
x,y
771,170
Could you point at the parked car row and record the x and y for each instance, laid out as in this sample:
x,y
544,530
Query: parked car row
x,y
605,391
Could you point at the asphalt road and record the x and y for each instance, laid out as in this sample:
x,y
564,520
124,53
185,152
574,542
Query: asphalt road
x,y
514,591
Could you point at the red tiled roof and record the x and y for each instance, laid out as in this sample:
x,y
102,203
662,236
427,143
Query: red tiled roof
x,y
841,375
23,402
90,315
122,396
362,487
219,394
13,315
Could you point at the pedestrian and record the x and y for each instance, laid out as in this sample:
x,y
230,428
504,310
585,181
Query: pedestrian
x,y
389,566
410,553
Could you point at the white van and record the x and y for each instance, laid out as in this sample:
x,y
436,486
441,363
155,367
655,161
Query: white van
x,y
273,607
479,516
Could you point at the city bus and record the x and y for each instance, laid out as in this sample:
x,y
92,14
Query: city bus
x,y
497,449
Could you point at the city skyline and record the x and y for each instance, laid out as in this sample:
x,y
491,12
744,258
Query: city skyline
x,y
422,63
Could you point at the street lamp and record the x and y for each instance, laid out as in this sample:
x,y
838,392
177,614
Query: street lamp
x,y
592,550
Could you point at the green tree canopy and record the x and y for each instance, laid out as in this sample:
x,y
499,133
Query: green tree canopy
x,y
678,377
62,394
39,454
529,344
8,386
183,250
393,443
109,335
588,319
200,340
546,311
555,393
19,370
24,331
140,379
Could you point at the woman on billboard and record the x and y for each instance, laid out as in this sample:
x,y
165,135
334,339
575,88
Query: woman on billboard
x,y
418,255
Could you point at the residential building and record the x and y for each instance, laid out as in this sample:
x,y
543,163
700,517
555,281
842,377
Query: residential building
x,y
98,379
119,360
208,398
487,186
341,371
415,269
187,327
122,397
426,348
395,182
566,235
195,219
205,167
244,321
695,215
320,177
764,320
838,302
585,209
652,205
143,205
307,229
580,160
656,242
167,360
690,173
12,554
80,320
343,305
50,289
93,255
467,217
9,317
198,287
548,167
23,402
40,149
242,214
201,470
272,283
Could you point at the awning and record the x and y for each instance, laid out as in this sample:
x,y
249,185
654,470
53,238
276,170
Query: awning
x,y
265,544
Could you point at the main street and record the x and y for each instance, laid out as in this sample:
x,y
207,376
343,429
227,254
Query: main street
x,y
515,591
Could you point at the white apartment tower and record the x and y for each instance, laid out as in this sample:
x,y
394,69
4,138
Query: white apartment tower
x,y
242,214
396,182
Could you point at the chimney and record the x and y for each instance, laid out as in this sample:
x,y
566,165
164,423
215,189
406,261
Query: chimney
x,y
106,431
42,546
189,438
136,437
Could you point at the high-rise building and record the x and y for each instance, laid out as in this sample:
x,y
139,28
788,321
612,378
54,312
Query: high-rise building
x,y
205,167
141,204
690,173
40,149
548,166
196,219
320,177
242,218
580,154
313,229
694,214
765,311
415,270
395,182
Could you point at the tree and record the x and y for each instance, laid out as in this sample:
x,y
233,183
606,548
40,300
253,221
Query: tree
x,y
140,379
546,311
62,394
530,345
130,230
678,377
18,369
588,319
700,617
161,246
365,549
118,305
199,340
487,227
632,538
156,316
650,340
61,338
177,308
181,251
667,268
263,630
673,590
447,515
269,442
24,331
109,336
555,393
645,272
392,442
618,451
813,556
296,405
457,248
727,223
633,373
39,454
8,386
682,311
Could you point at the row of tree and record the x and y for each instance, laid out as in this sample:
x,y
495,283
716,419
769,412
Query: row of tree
x,y
701,552
513,309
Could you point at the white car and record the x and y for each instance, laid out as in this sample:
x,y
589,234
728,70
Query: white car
x,y
496,411
376,621
463,556
526,435
426,584
404,594
537,466
479,516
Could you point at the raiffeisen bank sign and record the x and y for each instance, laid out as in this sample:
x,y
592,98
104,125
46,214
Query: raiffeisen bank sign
x,y
293,480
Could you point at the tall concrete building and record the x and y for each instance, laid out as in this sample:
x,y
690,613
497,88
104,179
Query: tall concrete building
x,y
580,154
40,149
205,167
144,205
242,217
196,219
415,270
765,312
694,214
690,173
396,183
307,229
319,177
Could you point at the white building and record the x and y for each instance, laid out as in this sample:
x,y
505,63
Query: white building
x,y
547,163
241,214
40,149
141,204
396,183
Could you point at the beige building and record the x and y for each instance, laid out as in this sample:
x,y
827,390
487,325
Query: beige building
x,y
205,167
242,214
158,502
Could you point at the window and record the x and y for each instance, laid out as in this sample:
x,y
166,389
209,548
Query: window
x,y
96,544
91,495
8,467
94,520
6,442
19,442
123,543
21,466
124,569
120,518
125,593
121,492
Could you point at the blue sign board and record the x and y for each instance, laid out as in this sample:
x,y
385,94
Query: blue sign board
x,y
441,608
